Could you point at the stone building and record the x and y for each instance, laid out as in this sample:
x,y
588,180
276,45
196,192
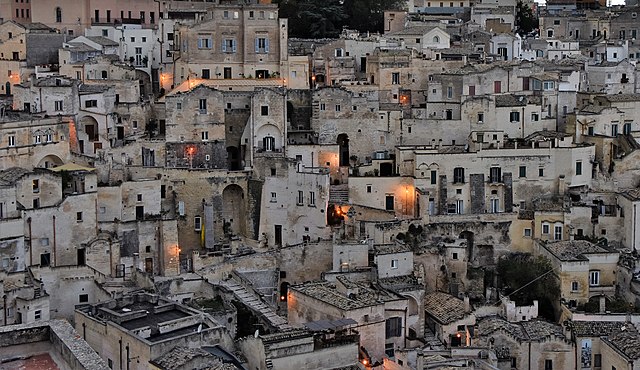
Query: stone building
x,y
583,269
535,343
449,318
234,41
24,47
130,331
379,313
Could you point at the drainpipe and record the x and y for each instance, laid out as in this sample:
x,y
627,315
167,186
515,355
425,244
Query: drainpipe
x,y
120,344
30,243
55,260
4,304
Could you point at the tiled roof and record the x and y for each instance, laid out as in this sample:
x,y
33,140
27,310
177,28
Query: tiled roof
x,y
328,293
101,40
626,340
181,356
632,194
573,250
622,97
532,330
444,307
9,176
511,101
595,328
391,248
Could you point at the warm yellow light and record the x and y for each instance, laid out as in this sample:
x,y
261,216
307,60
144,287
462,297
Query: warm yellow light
x,y
365,362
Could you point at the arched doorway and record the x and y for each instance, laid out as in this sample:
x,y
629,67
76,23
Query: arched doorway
x,y
233,210
343,143
90,127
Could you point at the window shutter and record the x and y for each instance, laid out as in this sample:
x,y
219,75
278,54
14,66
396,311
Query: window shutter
x,y
224,46
266,45
257,44
200,43
235,47
181,208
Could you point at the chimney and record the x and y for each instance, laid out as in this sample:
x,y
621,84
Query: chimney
x,y
562,186
467,305
603,304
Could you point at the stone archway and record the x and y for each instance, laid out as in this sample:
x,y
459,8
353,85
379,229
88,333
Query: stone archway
x,y
50,161
234,211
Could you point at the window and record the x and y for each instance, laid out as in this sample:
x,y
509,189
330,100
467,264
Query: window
x,y
514,117
449,92
368,188
454,256
557,232
312,199
495,205
541,172
458,175
262,45
548,364
36,139
264,110
545,228
11,140
90,103
480,117
548,85
36,202
522,171
83,298
393,327
338,52
535,117
434,177
338,108
37,315
394,264
58,15
179,106
459,206
395,78
35,185
323,107
274,197
203,106
497,87
197,223
229,46
300,197
79,216
205,135
251,14
614,129
268,143
58,105
205,42
110,363
495,174
594,278
597,360
578,168
527,233
574,286
626,129
389,202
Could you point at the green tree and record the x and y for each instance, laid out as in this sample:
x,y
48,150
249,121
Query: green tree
x,y
526,21
368,15
525,278
313,18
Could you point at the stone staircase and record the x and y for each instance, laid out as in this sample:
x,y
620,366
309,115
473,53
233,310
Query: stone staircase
x,y
252,300
339,194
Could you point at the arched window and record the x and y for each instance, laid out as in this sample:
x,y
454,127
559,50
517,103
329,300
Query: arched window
x,y
58,15
436,39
